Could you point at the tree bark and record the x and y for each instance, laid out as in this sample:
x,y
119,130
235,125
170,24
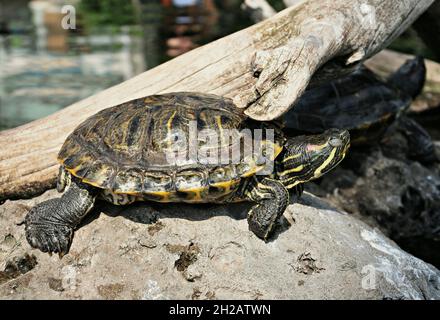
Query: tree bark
x,y
283,51
385,62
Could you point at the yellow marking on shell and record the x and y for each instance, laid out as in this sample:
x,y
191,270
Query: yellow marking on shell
x,y
197,196
131,193
170,121
318,171
296,169
218,119
91,183
73,171
193,189
95,184
83,159
164,195
197,193
291,157
226,185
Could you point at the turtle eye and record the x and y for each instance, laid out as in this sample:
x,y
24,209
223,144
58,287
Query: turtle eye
x,y
335,142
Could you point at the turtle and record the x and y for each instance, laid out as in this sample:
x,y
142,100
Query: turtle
x,y
136,151
367,106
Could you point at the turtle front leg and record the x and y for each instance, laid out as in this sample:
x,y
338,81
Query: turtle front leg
x,y
272,199
49,225
421,146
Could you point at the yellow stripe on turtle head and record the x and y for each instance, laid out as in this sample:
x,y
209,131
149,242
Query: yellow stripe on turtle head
x,y
294,156
170,120
318,171
296,169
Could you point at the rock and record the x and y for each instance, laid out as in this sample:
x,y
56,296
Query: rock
x,y
386,190
17,266
207,252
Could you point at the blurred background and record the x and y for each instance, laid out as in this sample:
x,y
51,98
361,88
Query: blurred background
x,y
44,67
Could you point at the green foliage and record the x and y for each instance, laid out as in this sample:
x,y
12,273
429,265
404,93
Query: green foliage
x,y
16,41
95,13
409,42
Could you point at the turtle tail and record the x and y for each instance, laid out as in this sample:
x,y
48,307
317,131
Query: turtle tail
x,y
410,77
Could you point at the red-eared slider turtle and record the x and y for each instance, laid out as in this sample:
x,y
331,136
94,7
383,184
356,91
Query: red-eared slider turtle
x,y
132,152
366,105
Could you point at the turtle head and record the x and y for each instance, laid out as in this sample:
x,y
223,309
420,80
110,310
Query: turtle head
x,y
309,157
410,77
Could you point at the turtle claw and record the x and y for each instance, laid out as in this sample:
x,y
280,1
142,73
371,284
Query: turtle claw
x,y
49,238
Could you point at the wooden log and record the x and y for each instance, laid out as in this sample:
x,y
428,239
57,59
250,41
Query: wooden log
x,y
283,51
290,3
387,61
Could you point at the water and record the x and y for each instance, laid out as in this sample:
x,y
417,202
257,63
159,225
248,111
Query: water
x,y
44,68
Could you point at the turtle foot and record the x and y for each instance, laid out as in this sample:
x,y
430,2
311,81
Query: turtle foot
x,y
47,234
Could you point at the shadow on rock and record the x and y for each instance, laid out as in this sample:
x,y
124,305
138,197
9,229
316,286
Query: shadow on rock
x,y
150,212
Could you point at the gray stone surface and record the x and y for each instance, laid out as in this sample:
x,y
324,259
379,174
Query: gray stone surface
x,y
385,189
207,252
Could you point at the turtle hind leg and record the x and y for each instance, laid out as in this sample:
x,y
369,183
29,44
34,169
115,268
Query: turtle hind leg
x,y
49,226
272,199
